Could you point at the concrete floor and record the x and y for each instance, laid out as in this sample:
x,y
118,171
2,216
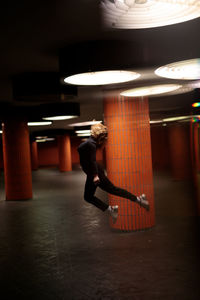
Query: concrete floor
x,y
56,246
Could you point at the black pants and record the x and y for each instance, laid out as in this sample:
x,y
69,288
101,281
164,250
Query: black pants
x,y
106,185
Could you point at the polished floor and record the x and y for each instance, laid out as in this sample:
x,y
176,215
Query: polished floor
x,y
56,246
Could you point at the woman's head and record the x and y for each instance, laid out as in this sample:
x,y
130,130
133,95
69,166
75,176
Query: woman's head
x,y
99,132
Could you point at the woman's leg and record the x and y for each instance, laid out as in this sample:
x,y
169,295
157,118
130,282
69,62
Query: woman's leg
x,y
89,192
106,185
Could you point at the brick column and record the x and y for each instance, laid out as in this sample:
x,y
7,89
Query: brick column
x,y
128,155
64,148
34,155
179,147
17,163
195,161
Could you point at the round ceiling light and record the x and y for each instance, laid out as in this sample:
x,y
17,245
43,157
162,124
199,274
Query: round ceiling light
x,y
101,77
136,14
151,90
186,69
39,123
59,118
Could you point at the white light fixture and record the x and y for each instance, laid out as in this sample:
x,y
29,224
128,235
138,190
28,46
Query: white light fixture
x,y
136,14
102,77
186,69
42,140
173,119
41,137
156,121
87,123
179,118
59,118
150,90
83,134
83,131
39,123
1,131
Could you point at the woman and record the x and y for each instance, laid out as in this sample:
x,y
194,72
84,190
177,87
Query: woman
x,y
96,176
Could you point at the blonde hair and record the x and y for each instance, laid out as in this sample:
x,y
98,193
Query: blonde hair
x,y
99,130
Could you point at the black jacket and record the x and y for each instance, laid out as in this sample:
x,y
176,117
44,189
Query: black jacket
x,y
87,153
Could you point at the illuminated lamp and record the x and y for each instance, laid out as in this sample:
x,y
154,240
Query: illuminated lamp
x,y
83,131
59,111
82,124
186,69
150,90
39,123
99,62
136,14
102,77
59,118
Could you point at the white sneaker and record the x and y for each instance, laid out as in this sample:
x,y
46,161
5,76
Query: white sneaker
x,y
143,202
114,212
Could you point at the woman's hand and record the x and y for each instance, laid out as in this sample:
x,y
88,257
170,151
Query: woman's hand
x,y
96,180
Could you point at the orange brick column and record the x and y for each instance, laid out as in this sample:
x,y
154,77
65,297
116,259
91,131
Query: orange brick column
x,y
34,155
128,156
64,148
195,161
17,162
179,147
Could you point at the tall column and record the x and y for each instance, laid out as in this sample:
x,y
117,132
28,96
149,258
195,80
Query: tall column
x,y
34,155
17,163
179,146
64,146
128,155
195,161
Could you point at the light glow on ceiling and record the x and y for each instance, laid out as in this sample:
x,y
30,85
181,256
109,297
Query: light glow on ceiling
x,y
151,90
83,131
135,14
59,118
39,123
86,123
42,140
83,134
179,118
102,77
186,69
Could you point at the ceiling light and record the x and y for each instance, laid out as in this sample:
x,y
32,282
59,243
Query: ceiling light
x,y
83,131
136,14
150,90
41,141
41,137
101,77
39,123
58,118
83,134
176,118
87,123
186,69
196,104
155,121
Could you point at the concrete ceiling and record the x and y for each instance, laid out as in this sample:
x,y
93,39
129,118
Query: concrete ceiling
x,y
33,32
